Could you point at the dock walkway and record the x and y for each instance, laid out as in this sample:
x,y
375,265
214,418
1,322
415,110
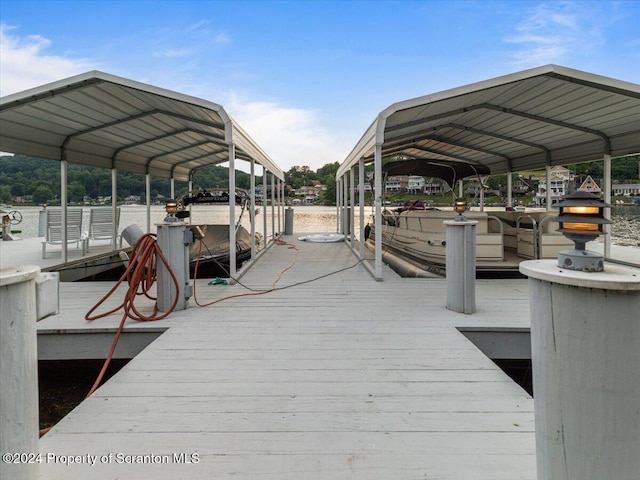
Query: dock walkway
x,y
342,377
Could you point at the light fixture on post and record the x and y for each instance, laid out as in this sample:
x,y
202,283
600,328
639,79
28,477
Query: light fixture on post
x,y
171,206
581,220
460,206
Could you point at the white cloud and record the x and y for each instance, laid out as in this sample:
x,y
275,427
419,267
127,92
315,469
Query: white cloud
x,y
290,136
24,62
555,32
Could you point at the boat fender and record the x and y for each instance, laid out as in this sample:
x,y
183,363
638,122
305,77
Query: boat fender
x,y
367,231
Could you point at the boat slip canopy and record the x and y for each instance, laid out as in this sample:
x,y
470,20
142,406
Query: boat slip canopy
x,y
106,121
544,116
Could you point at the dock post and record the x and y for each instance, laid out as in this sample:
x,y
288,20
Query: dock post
x,y
288,221
18,372
174,244
585,342
461,265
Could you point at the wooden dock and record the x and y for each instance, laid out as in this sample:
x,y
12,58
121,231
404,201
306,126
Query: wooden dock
x,y
342,377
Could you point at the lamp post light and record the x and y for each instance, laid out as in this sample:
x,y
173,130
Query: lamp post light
x,y
171,207
581,220
585,355
460,206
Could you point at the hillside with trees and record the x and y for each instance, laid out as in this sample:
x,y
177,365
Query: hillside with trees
x,y
38,180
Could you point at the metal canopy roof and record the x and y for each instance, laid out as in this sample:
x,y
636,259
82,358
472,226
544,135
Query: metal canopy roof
x,y
107,121
545,116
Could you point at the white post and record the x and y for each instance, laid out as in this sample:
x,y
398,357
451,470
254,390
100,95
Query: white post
x,y
585,351
147,182
252,206
352,203
509,189
339,205
345,203
279,193
273,206
232,210
18,371
607,199
114,205
378,216
461,265
171,241
264,206
190,187
63,207
548,185
172,184
361,199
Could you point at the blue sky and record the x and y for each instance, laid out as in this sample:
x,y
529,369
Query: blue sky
x,y
306,78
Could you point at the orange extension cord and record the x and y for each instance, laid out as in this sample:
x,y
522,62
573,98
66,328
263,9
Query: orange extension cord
x,y
141,275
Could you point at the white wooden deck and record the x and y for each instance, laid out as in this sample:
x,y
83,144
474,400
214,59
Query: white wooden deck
x,y
344,377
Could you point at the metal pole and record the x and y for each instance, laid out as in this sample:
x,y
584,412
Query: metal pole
x,y
361,199
232,210
114,205
378,218
548,184
63,208
339,205
607,199
264,207
148,200
509,188
273,206
252,207
352,202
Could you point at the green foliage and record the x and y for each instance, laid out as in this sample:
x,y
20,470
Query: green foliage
x,y
21,176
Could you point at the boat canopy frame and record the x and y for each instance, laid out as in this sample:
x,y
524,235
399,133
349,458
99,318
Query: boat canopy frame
x,y
102,120
533,119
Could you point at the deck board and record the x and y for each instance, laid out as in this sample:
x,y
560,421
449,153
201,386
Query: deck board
x,y
343,377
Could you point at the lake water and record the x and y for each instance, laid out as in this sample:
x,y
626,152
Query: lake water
x,y
312,219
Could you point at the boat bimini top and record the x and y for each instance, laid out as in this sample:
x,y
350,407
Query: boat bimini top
x,y
448,170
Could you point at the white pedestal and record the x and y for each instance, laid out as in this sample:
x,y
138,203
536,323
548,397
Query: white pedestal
x,y
171,240
585,340
18,370
461,265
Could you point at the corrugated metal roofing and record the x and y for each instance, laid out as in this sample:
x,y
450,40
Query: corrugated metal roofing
x,y
549,115
107,121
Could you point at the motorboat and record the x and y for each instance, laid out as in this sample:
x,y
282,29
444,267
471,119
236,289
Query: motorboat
x,y
211,251
417,237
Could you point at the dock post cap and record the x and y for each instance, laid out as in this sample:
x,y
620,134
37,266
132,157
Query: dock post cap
x,y
11,275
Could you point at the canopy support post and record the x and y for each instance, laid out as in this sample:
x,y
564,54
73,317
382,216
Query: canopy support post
x,y
607,199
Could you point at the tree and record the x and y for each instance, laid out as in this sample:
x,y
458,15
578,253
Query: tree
x,y
42,194
329,195
5,194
